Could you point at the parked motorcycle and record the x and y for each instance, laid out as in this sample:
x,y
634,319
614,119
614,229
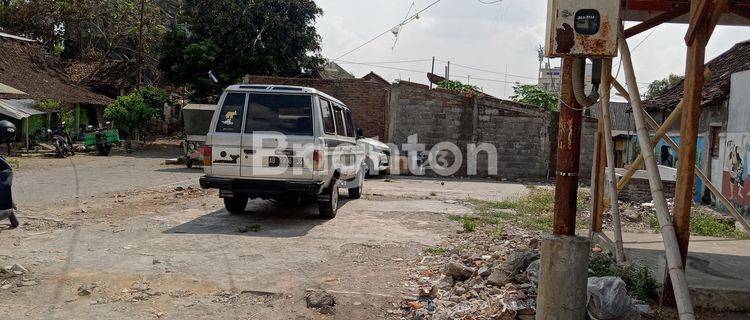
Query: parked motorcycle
x,y
7,206
102,146
62,142
101,139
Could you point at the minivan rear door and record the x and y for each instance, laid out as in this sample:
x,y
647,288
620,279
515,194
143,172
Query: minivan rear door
x,y
226,135
277,141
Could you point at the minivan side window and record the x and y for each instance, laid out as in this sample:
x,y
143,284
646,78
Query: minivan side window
x,y
231,114
350,132
339,116
327,114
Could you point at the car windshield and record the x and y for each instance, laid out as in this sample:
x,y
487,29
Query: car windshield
x,y
286,114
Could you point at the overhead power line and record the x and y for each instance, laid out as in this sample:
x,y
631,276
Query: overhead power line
x,y
425,72
400,24
485,70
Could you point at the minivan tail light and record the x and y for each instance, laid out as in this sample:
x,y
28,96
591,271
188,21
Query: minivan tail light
x,y
206,152
318,159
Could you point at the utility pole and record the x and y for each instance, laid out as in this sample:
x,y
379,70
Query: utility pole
x,y
432,70
139,62
568,155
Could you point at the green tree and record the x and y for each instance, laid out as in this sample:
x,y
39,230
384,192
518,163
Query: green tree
x,y
660,86
233,38
533,95
130,113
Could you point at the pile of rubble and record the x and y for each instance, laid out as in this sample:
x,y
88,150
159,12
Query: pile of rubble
x,y
459,283
498,285
16,275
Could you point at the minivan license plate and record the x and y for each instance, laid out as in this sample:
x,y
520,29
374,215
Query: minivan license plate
x,y
285,162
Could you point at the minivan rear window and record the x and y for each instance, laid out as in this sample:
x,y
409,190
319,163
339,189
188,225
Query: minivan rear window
x,y
286,114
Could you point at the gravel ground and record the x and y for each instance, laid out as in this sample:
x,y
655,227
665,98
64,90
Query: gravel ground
x,y
141,241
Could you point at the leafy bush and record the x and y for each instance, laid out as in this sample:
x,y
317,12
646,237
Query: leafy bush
x,y
54,106
535,96
129,113
458,87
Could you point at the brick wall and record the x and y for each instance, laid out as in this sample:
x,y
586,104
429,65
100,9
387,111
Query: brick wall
x,y
524,136
639,191
368,100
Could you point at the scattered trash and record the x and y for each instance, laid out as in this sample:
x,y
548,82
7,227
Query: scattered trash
x,y
608,299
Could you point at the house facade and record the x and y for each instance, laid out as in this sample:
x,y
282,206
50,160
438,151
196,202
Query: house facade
x,y
724,127
36,75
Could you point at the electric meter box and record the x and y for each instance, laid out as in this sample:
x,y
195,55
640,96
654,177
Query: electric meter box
x,y
582,28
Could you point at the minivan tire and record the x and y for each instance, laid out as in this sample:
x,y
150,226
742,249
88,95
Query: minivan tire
x,y
330,205
236,204
13,221
356,193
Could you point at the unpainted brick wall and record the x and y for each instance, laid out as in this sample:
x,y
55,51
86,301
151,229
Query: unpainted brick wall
x,y
524,136
639,191
368,100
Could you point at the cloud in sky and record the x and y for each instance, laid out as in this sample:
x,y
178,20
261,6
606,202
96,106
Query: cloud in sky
x,y
494,37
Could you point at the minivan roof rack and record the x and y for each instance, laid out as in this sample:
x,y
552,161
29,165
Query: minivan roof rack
x,y
286,88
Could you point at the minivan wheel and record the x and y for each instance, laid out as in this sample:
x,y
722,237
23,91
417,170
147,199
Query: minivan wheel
x,y
13,221
236,204
356,192
330,202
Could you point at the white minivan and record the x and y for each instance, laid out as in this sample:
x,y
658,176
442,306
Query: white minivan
x,y
282,143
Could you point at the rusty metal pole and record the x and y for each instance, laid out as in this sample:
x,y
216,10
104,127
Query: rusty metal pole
x,y
568,154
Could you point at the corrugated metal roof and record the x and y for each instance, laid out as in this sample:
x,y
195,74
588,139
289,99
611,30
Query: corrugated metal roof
x,y
18,108
4,88
8,35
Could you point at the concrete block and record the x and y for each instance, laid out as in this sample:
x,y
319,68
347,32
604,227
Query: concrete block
x,y
563,277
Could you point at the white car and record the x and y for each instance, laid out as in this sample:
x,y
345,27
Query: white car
x,y
282,143
377,155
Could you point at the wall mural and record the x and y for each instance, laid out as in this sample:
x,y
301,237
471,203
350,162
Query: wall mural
x,y
735,184
667,156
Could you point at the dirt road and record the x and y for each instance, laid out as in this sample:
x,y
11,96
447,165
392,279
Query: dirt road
x,y
177,254
40,182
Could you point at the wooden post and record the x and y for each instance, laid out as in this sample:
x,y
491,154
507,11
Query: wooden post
x,y
26,128
597,186
610,154
674,261
693,89
568,154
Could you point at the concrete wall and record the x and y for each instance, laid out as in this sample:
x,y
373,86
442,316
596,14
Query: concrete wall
x,y
368,100
524,136
734,178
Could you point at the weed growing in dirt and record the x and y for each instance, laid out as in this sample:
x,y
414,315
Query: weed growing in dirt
x,y
433,193
534,211
499,231
469,225
251,228
703,223
638,279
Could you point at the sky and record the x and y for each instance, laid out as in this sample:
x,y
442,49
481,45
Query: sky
x,y
501,38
